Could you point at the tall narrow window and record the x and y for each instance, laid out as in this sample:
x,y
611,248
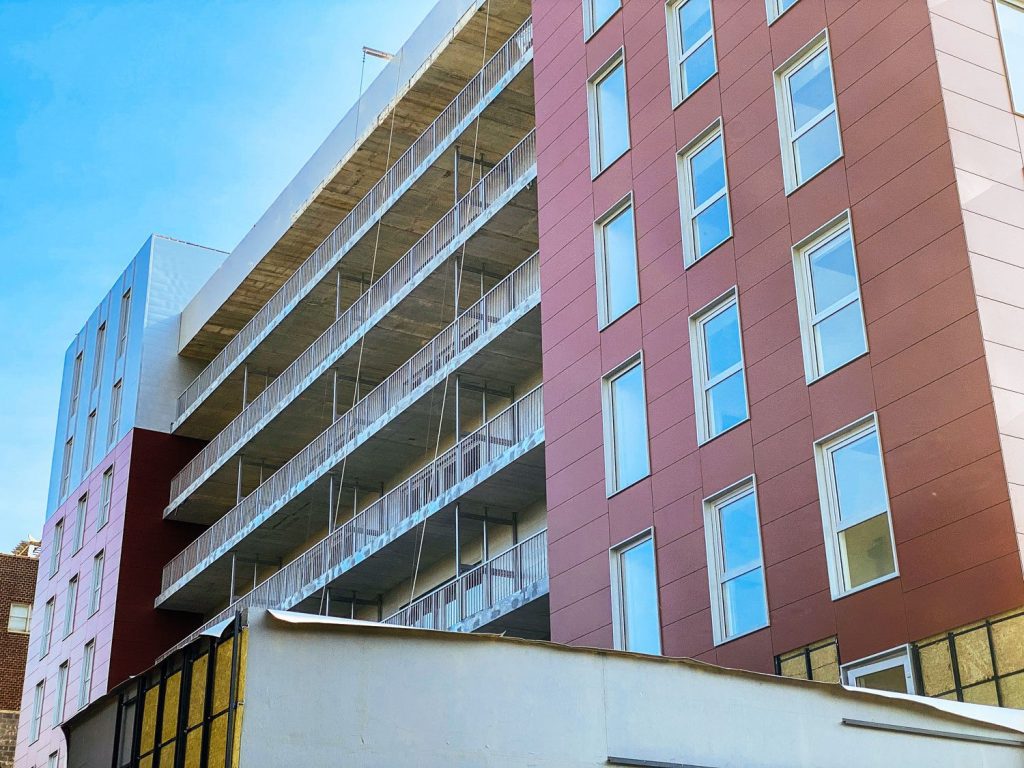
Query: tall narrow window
x,y
46,634
37,710
70,605
80,513
115,412
808,122
85,683
609,118
97,583
76,387
855,508
596,13
61,693
889,671
97,363
691,41
19,618
1010,14
90,441
53,761
704,194
58,543
615,246
625,426
122,323
635,619
716,349
65,467
106,494
778,7
828,293
739,602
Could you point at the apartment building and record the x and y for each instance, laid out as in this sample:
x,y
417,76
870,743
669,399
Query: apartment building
x,y
17,592
687,328
104,536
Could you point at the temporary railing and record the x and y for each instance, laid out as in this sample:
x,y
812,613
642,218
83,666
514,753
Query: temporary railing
x,y
517,167
477,456
479,91
480,589
503,304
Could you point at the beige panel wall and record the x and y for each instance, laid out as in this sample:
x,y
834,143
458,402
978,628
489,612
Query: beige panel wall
x,y
987,142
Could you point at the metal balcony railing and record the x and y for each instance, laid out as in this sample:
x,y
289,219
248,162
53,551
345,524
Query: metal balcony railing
x,y
508,300
499,70
480,589
476,457
486,196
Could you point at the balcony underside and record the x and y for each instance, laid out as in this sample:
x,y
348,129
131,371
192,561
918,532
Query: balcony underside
x,y
502,125
407,441
526,614
434,88
501,245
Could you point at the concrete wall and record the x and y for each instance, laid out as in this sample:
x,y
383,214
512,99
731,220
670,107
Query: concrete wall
x,y
386,696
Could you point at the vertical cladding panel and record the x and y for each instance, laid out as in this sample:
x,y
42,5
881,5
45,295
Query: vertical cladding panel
x,y
898,181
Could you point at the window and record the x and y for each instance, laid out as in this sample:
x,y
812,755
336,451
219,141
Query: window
x,y
37,709
625,426
778,7
1010,14
609,119
828,297
65,467
106,493
716,349
739,602
79,539
58,542
122,323
115,412
76,386
19,618
46,636
691,44
635,597
855,508
596,13
808,122
704,194
70,606
615,247
889,671
90,440
97,363
62,689
97,583
53,760
85,684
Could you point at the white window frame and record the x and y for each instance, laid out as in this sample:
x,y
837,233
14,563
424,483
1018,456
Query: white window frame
x,y
76,387
900,656
599,164
611,472
828,503
773,12
65,470
15,623
96,589
37,711
1016,100
116,398
717,574
589,27
687,212
833,229
85,682
71,606
106,496
90,440
57,544
81,512
46,634
63,672
788,135
101,348
618,605
702,386
604,316
54,760
677,56
124,318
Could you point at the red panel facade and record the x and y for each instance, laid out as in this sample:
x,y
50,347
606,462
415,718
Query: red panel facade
x,y
924,376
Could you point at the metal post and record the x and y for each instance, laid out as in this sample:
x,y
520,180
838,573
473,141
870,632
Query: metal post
x,y
245,384
337,294
458,544
515,527
231,589
458,432
352,608
334,397
486,545
483,403
327,601
330,504
238,480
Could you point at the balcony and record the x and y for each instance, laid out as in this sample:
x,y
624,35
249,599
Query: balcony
x,y
505,315
507,448
453,121
500,185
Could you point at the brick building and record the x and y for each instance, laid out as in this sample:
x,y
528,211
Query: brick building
x,y
17,594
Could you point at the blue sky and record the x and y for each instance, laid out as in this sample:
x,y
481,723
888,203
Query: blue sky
x,y
120,119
